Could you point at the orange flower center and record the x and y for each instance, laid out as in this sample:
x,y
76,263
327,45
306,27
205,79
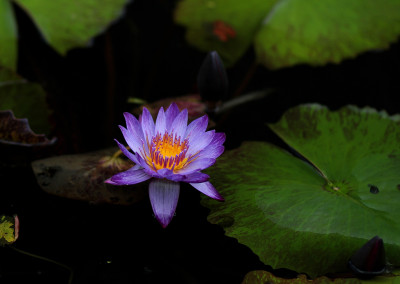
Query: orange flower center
x,y
167,152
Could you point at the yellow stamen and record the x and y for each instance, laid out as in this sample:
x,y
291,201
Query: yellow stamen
x,y
167,152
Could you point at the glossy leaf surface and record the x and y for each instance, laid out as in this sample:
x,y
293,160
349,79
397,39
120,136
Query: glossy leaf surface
x,y
310,220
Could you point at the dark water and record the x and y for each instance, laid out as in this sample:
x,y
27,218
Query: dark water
x,y
115,244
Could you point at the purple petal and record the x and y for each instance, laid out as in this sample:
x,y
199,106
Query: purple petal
x,y
160,122
193,177
176,177
165,172
171,114
196,128
197,165
128,154
152,173
164,195
147,125
196,177
219,138
133,126
212,151
200,142
180,124
208,189
109,181
132,140
131,176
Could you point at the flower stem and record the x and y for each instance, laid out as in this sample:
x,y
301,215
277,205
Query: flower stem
x,y
71,271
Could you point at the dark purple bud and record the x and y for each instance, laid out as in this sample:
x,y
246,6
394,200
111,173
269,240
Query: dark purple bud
x,y
370,259
212,80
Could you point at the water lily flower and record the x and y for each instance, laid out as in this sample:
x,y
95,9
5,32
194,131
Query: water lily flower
x,y
168,152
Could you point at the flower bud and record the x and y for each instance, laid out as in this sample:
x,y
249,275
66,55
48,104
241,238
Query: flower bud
x,y
212,80
370,259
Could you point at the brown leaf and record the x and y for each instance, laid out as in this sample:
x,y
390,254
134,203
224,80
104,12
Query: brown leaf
x,y
193,103
16,130
18,143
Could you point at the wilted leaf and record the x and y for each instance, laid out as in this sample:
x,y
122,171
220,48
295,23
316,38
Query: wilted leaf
x,y
17,131
18,143
295,216
192,103
8,36
7,234
82,177
66,24
289,32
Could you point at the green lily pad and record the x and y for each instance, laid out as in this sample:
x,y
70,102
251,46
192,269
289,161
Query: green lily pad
x,y
65,24
206,20
311,219
317,33
25,99
8,36
290,32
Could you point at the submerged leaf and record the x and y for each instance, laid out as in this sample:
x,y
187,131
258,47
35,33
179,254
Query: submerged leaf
x,y
313,218
82,177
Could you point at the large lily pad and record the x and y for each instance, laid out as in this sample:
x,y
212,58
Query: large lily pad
x,y
309,219
65,24
289,32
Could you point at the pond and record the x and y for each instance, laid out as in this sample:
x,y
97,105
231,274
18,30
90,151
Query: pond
x,y
286,117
